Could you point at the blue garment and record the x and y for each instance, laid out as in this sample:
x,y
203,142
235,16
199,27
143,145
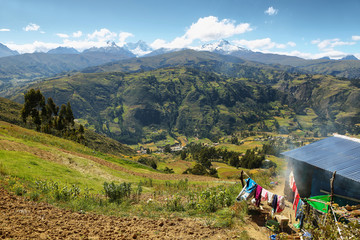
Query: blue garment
x,y
248,191
274,203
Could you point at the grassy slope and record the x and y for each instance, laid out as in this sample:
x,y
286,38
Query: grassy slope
x,y
28,154
31,155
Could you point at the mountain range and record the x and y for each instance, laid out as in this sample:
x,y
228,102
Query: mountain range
x,y
202,94
51,65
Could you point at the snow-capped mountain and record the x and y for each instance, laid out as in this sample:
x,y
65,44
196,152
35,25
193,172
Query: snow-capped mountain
x,y
63,50
139,48
111,48
222,47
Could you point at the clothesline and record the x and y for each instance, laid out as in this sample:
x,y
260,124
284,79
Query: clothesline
x,y
252,189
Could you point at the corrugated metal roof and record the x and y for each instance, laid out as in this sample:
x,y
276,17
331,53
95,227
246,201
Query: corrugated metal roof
x,y
338,153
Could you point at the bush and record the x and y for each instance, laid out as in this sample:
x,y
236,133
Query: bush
x,y
174,204
117,192
168,170
148,162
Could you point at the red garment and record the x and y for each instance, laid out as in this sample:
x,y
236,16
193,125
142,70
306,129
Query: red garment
x,y
294,188
258,195
296,200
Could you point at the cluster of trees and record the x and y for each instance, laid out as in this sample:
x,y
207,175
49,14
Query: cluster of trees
x,y
49,118
251,159
204,156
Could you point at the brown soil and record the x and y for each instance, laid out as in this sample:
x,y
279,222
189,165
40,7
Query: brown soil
x,y
23,219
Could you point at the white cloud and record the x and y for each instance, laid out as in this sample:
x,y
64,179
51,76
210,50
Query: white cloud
x,y
262,44
158,43
210,28
77,34
328,45
31,27
103,35
355,38
4,30
122,38
62,35
36,46
98,38
205,29
81,45
271,11
291,44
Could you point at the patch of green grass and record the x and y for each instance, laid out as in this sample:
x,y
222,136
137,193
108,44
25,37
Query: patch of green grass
x,y
29,167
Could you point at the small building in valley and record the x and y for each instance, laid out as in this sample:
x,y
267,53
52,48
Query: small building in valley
x,y
313,166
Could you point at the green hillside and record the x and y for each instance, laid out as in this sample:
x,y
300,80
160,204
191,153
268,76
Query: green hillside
x,y
201,94
10,112
151,105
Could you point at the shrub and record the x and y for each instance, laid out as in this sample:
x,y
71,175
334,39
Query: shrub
x,y
148,161
174,204
117,192
168,170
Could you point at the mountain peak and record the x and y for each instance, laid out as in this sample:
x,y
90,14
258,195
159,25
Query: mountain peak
x,y
111,44
349,57
110,48
63,50
5,51
140,48
223,47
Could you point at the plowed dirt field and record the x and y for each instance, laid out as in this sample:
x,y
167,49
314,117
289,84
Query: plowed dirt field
x,y
23,219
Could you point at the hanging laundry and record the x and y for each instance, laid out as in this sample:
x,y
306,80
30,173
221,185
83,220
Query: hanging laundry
x,y
294,187
291,180
280,204
296,200
274,203
248,191
270,197
258,195
264,195
300,215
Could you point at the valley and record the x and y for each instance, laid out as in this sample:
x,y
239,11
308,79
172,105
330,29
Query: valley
x,y
166,137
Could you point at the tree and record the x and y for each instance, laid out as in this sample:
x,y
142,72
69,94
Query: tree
x,y
183,155
69,115
167,148
61,120
34,104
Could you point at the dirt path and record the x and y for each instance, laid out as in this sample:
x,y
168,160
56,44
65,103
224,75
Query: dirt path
x,y
22,219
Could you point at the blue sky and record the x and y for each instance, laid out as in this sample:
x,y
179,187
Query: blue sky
x,y
305,28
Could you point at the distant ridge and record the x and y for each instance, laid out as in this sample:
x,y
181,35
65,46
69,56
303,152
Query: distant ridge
x,y
111,48
350,57
63,50
5,51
